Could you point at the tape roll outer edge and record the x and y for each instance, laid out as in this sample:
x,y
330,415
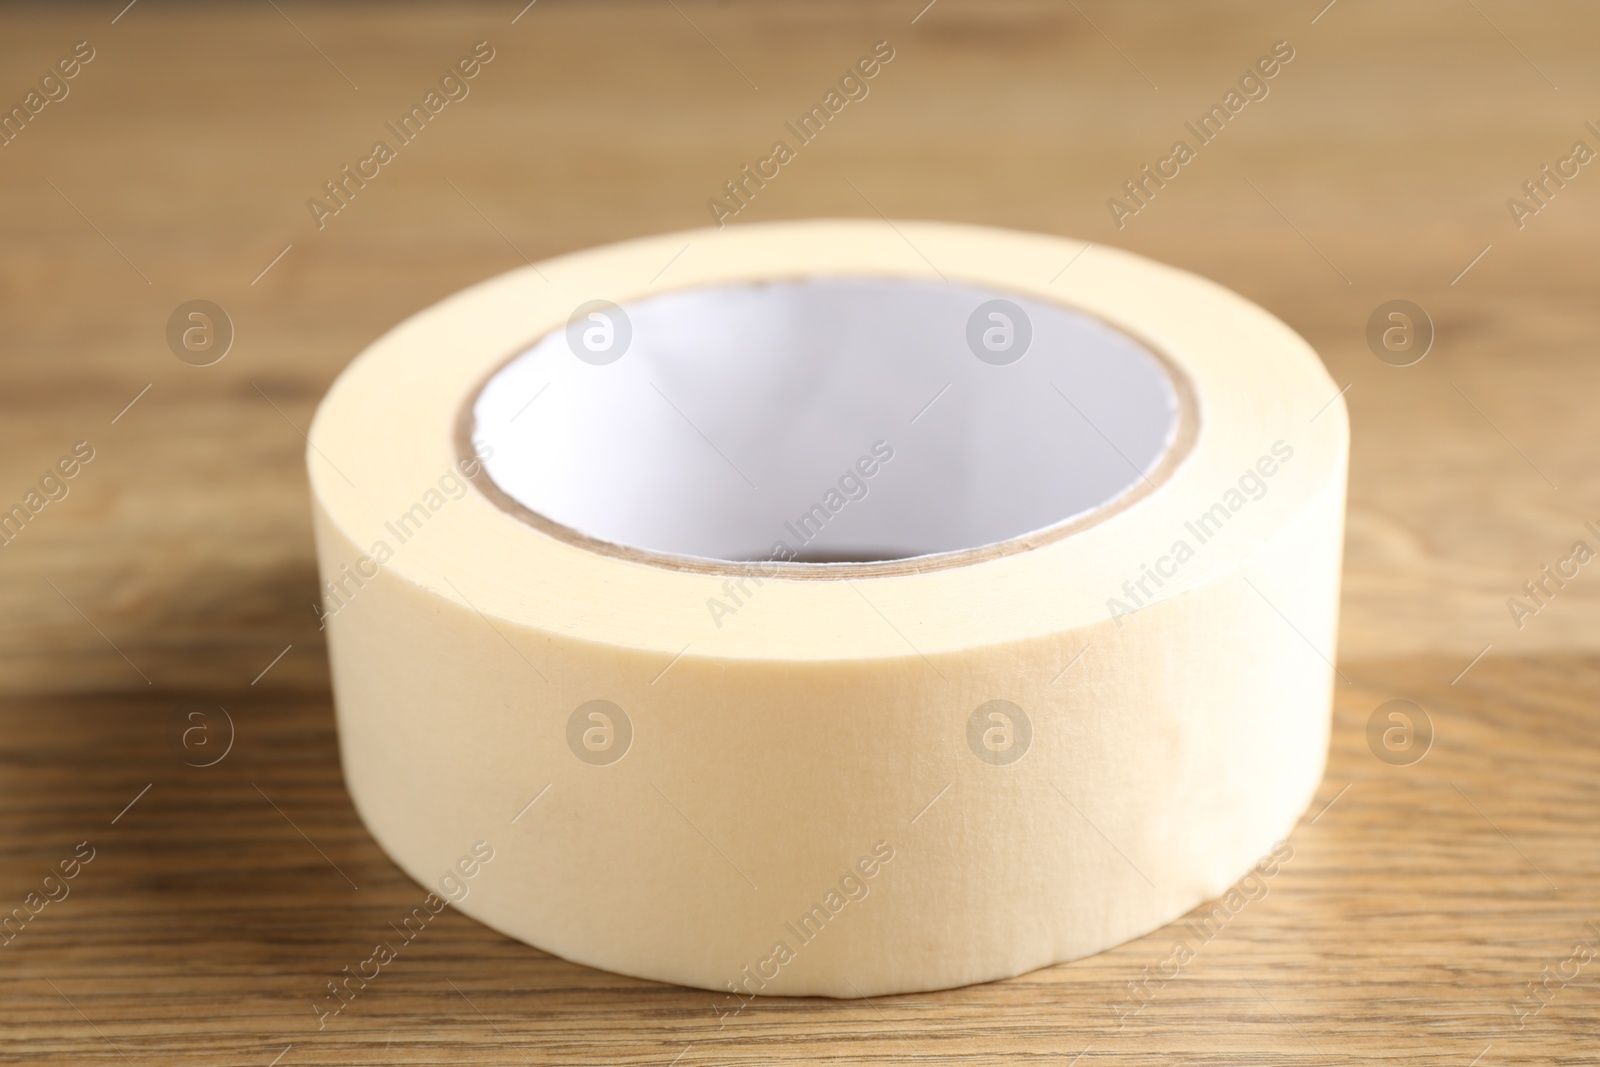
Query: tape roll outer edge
x,y
798,811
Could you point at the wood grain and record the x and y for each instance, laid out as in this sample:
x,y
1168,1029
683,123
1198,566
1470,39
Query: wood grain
x,y
1418,906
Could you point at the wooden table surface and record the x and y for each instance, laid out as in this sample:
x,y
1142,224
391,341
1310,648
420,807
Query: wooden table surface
x,y
1422,900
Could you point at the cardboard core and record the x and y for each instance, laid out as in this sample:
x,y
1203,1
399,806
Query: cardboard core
x,y
827,421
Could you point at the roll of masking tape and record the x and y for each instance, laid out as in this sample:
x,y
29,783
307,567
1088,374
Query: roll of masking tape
x,y
832,608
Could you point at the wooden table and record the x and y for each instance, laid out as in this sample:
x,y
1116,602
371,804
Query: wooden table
x,y
176,576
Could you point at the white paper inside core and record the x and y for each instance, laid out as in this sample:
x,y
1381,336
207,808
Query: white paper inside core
x,y
737,423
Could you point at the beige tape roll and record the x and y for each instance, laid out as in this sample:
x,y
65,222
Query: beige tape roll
x,y
832,607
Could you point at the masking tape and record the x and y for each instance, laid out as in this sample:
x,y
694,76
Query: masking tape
x,y
833,607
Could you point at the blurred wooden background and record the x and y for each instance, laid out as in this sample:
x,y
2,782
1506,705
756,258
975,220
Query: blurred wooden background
x,y
1419,905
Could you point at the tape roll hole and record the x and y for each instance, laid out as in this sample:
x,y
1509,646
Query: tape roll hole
x,y
826,420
